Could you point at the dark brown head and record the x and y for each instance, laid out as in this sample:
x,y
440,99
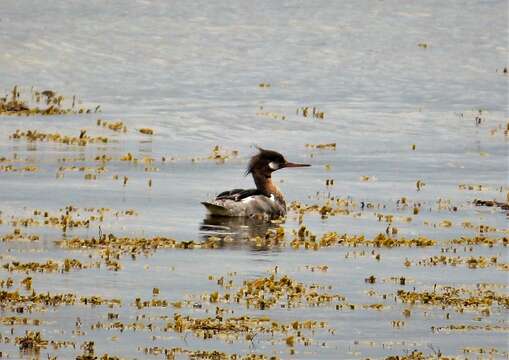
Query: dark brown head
x,y
268,161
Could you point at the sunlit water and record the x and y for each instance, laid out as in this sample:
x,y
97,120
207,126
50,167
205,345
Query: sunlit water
x,y
191,72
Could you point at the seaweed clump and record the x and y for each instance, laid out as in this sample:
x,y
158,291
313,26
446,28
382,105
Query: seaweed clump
x,y
31,342
81,140
53,104
418,355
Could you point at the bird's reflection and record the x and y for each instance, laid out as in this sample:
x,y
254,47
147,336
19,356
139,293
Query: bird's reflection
x,y
235,232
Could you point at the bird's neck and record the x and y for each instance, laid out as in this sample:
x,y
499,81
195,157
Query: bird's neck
x,y
265,185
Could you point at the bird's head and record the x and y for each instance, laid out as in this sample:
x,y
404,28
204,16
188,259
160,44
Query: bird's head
x,y
268,161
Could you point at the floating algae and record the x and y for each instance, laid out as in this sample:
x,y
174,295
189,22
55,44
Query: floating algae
x,y
32,301
218,154
306,111
304,238
329,146
460,299
242,327
14,105
146,131
271,114
469,327
171,353
24,169
81,140
472,262
418,355
117,126
266,292
31,342
111,247
17,235
67,218
48,266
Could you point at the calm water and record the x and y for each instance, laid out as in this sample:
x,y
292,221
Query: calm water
x,y
191,72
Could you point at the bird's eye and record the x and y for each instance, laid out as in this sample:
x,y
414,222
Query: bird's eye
x,y
274,165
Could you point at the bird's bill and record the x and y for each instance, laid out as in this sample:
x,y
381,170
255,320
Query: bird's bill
x,y
290,164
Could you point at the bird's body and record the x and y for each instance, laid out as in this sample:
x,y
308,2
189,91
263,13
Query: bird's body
x,y
266,201
250,206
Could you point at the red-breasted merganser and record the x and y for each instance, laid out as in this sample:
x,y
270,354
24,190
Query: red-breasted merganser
x,y
266,201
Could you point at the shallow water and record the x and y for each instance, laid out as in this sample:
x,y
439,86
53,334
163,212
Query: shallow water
x,y
191,72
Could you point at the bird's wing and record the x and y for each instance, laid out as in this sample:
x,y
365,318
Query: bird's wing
x,y
237,194
216,209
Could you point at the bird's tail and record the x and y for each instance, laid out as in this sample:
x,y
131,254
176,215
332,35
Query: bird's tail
x,y
215,209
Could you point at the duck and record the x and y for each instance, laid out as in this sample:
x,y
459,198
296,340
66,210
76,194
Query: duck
x,y
265,201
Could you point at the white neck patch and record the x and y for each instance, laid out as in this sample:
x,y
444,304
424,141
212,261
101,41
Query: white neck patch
x,y
274,165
